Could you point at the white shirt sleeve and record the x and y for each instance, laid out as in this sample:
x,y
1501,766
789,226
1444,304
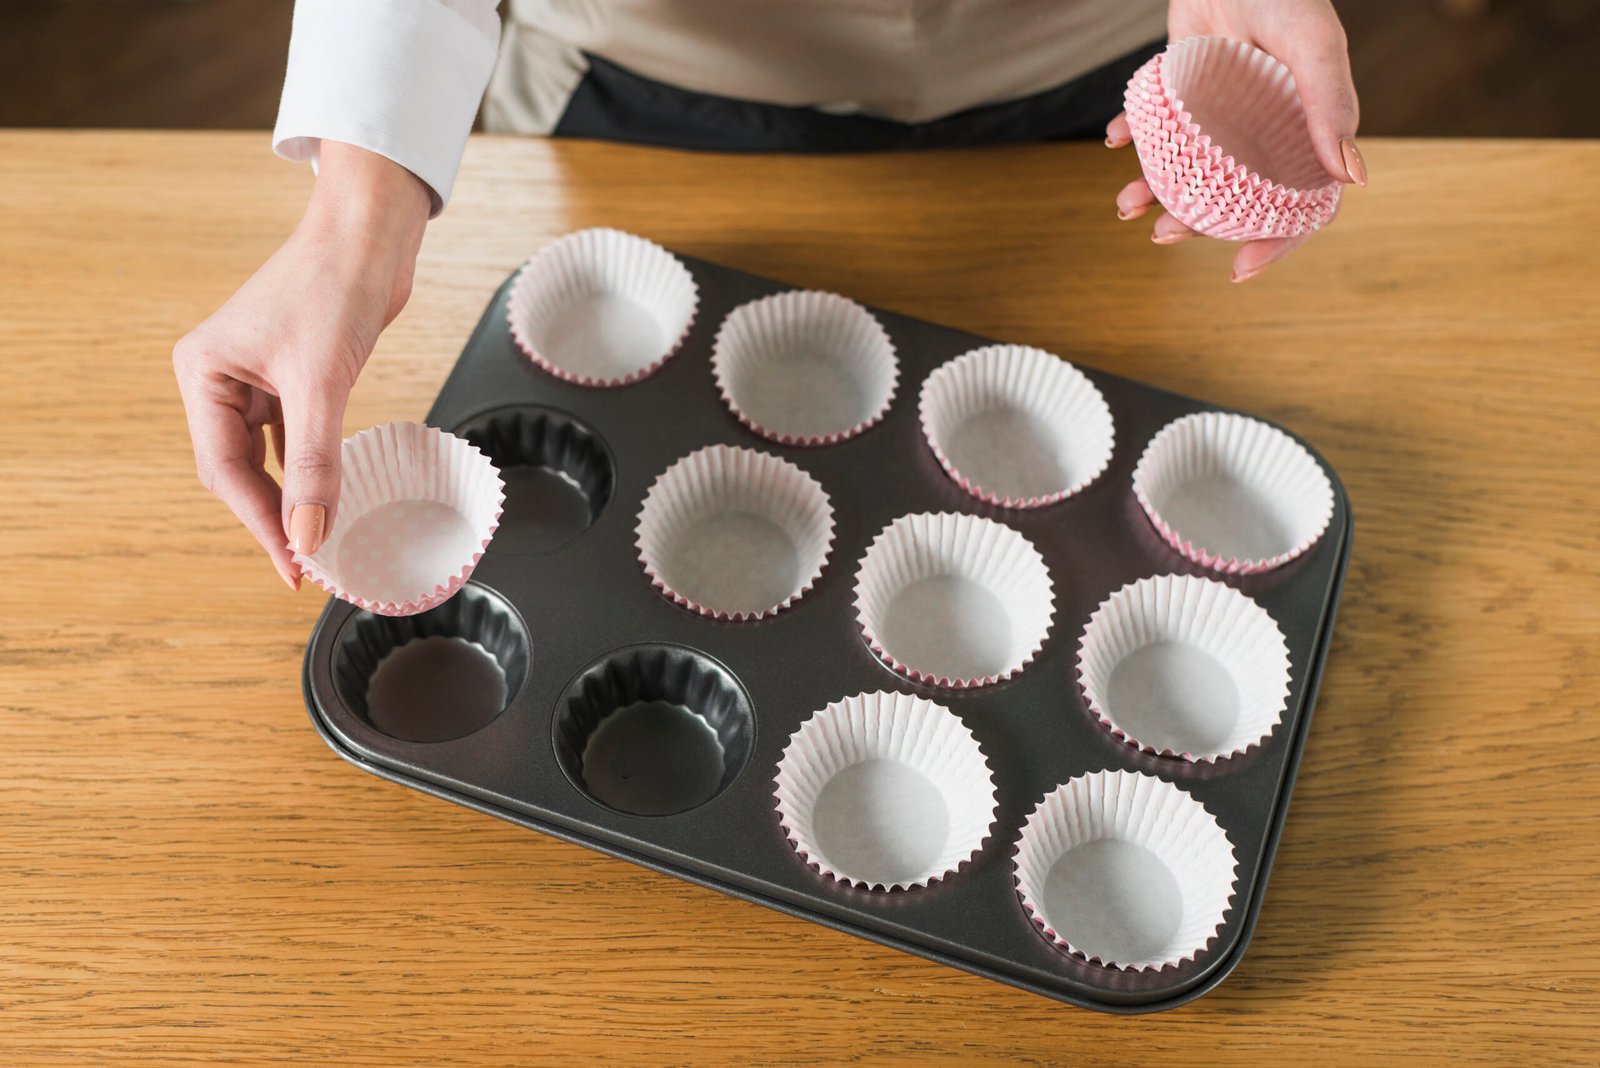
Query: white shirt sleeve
x,y
402,78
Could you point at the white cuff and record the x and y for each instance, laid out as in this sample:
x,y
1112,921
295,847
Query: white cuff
x,y
402,78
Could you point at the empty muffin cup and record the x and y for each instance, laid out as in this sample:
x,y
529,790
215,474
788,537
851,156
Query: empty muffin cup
x,y
805,367
1184,666
953,600
1224,144
885,791
417,508
602,308
1125,870
435,676
1232,493
734,533
557,470
653,729
1016,426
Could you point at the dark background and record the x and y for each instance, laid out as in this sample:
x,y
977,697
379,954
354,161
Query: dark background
x,y
1446,68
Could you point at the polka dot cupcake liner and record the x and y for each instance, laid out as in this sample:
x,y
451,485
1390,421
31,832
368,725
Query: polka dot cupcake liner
x,y
417,508
1223,142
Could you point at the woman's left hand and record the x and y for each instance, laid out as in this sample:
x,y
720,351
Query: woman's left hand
x,y
1307,36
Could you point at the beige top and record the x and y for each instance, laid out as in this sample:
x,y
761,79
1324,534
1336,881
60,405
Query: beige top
x,y
403,78
907,60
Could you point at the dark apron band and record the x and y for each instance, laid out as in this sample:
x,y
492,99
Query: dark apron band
x,y
614,104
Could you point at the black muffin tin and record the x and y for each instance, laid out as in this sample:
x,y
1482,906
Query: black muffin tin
x,y
562,604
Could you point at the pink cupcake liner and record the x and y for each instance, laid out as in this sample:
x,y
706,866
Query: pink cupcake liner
x,y
417,509
1185,165
734,534
805,367
1183,666
602,308
885,791
953,600
1126,871
1232,493
1016,426
1223,142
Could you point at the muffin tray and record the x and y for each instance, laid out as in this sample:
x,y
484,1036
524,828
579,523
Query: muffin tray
x,y
565,627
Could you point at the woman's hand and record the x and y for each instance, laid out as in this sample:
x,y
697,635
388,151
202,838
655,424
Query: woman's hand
x,y
1307,37
284,351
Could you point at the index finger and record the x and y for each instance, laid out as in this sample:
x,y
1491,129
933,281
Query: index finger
x,y
1117,131
225,452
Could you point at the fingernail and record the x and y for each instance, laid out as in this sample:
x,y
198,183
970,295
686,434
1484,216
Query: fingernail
x,y
305,527
1353,163
1115,142
1134,214
1245,276
1172,239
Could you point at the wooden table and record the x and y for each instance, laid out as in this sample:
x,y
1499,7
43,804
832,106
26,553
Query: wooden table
x,y
188,874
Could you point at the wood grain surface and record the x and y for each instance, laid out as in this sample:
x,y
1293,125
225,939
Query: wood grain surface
x,y
189,876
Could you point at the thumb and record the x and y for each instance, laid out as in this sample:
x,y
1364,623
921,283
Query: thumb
x,y
312,420
1316,52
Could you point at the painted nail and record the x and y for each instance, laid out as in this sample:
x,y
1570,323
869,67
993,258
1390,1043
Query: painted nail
x,y
1353,163
305,527
1245,276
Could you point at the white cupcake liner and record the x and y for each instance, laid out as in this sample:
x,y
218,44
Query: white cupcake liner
x,y
601,307
953,600
885,791
805,367
1151,874
1232,493
1184,666
1223,142
1016,426
734,533
417,508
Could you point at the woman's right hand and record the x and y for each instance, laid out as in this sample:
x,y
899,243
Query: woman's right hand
x,y
1307,36
282,354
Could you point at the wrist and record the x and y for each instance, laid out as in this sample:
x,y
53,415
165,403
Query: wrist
x,y
367,197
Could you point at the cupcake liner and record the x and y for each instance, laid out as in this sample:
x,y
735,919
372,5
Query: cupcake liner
x,y
953,600
885,791
1016,426
417,508
1232,493
1125,870
1249,98
805,367
734,533
1184,666
601,307
1223,142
